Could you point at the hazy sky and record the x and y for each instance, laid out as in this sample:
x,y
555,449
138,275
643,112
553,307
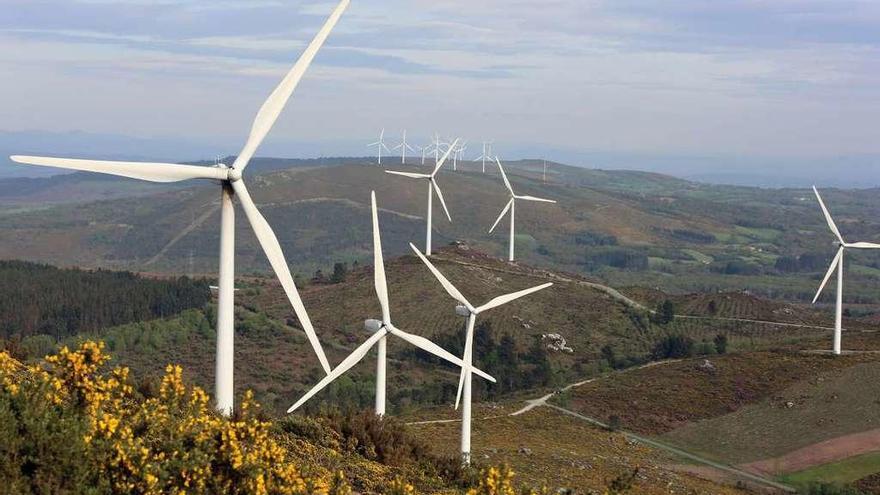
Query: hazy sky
x,y
769,78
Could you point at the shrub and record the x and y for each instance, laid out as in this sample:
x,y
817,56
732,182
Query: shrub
x,y
340,273
673,347
720,343
77,426
664,313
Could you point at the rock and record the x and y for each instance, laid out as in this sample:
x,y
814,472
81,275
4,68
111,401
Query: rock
x,y
525,450
556,342
707,365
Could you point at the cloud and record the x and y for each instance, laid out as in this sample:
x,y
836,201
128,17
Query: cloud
x,y
740,76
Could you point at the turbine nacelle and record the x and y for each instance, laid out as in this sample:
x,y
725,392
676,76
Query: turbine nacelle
x,y
373,326
462,310
233,174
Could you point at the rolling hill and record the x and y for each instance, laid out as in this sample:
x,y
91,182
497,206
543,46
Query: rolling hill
x,y
625,228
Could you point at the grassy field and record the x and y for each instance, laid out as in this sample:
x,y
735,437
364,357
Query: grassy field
x,y
846,471
821,404
661,399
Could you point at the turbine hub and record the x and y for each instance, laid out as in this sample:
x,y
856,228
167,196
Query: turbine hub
x,y
373,326
233,175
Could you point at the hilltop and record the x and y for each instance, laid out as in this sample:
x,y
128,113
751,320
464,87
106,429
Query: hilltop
x,y
624,228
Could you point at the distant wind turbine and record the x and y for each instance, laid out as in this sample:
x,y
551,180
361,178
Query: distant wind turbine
x,y
486,155
381,329
403,146
432,188
511,206
467,309
232,185
457,154
837,264
380,145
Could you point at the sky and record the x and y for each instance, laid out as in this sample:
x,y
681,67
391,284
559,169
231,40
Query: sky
x,y
694,86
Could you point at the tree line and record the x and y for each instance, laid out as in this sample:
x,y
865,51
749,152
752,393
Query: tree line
x,y
41,299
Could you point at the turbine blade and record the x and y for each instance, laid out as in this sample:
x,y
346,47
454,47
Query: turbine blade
x,y
503,212
834,263
442,160
863,245
432,348
500,300
468,358
828,218
379,265
409,174
344,366
153,172
532,198
450,289
504,175
440,197
272,248
276,102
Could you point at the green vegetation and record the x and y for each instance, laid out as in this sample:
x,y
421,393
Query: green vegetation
x,y
623,227
44,300
841,472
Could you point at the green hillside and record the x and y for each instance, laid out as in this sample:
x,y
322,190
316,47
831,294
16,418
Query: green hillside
x,y
626,228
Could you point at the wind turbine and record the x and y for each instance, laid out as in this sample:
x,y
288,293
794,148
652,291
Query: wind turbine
x,y
424,150
465,308
511,206
380,144
403,146
381,329
837,264
457,154
432,188
435,146
232,185
487,154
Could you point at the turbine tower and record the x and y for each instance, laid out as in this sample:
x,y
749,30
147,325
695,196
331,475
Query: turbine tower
x,y
432,188
486,155
457,153
465,308
511,206
837,264
403,146
232,185
380,145
380,330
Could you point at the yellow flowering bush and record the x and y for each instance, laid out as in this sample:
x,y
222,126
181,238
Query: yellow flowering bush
x,y
171,443
69,425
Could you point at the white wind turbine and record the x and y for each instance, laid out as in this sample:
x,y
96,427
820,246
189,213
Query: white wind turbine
x,y
232,185
457,152
403,146
381,329
511,206
837,263
465,308
432,188
487,154
380,145
425,150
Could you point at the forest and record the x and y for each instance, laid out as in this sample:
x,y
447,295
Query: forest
x,y
40,299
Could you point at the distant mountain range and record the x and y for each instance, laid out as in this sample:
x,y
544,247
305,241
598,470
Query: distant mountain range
x,y
855,171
